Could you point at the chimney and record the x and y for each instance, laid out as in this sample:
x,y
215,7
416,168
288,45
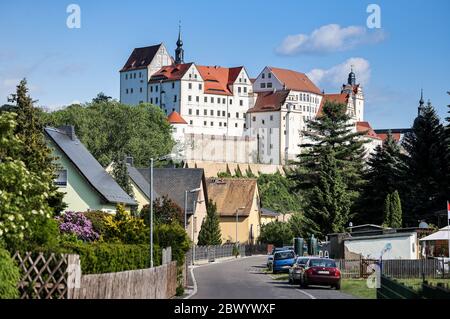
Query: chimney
x,y
129,160
69,130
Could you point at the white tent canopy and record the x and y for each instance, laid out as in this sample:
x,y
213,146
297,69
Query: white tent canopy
x,y
441,234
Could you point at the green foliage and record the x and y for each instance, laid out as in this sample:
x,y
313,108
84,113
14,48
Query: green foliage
x,y
98,220
108,127
97,258
173,235
276,233
298,225
101,97
35,153
235,251
9,276
210,231
120,173
23,193
276,193
426,187
383,176
329,171
224,175
165,211
392,211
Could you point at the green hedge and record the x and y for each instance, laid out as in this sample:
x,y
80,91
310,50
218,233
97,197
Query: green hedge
x,y
9,276
97,258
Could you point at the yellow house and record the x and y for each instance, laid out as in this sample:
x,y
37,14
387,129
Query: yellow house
x,y
268,216
238,207
174,183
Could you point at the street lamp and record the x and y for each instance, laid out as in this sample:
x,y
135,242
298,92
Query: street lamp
x,y
151,203
237,216
185,204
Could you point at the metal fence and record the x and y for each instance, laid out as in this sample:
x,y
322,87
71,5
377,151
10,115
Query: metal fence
x,y
394,268
211,253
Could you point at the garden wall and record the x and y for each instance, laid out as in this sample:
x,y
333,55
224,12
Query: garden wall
x,y
152,283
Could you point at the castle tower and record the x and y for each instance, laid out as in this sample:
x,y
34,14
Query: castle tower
x,y
179,51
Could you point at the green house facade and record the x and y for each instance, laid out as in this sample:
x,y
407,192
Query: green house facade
x,y
86,184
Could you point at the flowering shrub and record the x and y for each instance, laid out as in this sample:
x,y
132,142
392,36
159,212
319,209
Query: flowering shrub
x,y
77,224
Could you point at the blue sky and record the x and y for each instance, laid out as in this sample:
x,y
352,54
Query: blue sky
x,y
320,38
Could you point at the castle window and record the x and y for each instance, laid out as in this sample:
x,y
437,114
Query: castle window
x,y
190,112
263,76
126,76
271,117
241,103
151,100
269,85
220,124
175,98
200,86
239,89
212,112
263,85
190,86
218,113
131,90
191,122
235,125
189,98
245,89
223,113
204,123
205,99
156,88
173,85
156,100
254,118
212,123
269,75
231,101
134,75
224,123
140,90
197,112
151,88
223,101
237,115
263,122
126,91
197,99
205,112
212,99
140,74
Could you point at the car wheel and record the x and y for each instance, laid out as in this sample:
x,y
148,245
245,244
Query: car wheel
x,y
338,286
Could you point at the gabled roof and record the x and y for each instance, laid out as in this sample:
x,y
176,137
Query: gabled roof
x,y
88,166
365,127
339,98
269,101
140,181
173,182
218,80
294,80
140,58
176,118
171,72
269,213
229,194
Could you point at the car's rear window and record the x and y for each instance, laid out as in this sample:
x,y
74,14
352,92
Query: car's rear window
x,y
322,263
284,255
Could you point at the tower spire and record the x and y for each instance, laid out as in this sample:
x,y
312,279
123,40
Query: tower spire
x,y
421,103
351,77
179,51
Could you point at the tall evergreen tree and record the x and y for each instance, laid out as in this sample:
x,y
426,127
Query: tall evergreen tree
x,y
387,211
384,172
210,231
396,211
426,186
329,170
36,155
120,173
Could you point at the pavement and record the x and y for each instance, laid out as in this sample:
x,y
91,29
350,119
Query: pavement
x,y
244,278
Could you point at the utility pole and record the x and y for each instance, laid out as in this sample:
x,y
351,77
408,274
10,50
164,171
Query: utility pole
x,y
151,213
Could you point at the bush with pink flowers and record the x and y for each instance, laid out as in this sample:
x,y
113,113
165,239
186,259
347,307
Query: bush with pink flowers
x,y
75,223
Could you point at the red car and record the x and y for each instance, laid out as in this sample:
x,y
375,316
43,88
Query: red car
x,y
321,272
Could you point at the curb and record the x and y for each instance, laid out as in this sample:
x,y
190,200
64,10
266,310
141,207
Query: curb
x,y
191,269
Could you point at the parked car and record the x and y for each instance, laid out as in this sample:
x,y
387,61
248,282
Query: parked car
x,y
295,272
270,256
282,261
322,272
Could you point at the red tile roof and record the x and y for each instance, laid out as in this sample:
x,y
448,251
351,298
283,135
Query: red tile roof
x,y
365,127
269,101
140,58
171,72
175,118
339,98
295,80
218,80
384,136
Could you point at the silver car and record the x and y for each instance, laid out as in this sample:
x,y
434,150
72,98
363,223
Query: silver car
x,y
295,272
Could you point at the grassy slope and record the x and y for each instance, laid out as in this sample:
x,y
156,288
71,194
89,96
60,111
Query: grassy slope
x,y
358,288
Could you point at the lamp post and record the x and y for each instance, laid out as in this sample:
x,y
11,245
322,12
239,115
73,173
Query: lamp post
x,y
193,222
151,203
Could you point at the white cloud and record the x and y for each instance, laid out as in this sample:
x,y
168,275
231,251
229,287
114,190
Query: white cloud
x,y
337,75
329,38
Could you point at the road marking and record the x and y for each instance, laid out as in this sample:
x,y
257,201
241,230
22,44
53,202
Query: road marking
x,y
195,283
307,294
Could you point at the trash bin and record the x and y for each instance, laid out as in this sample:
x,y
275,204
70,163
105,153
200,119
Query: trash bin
x,y
298,246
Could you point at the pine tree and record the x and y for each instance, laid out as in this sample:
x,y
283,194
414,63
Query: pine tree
x,y
120,173
210,231
385,169
387,211
396,211
329,170
426,187
36,155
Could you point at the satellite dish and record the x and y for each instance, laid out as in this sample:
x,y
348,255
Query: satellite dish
x,y
423,225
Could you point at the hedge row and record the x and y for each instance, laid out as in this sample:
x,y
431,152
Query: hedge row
x,y
97,258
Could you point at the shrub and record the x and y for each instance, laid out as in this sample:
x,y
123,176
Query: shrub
x,y
122,227
77,224
98,220
173,235
97,258
9,276
276,233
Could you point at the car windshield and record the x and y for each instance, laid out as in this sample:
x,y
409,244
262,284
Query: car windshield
x,y
302,261
284,255
322,263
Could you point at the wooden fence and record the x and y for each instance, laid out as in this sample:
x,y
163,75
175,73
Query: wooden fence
x,y
395,268
58,276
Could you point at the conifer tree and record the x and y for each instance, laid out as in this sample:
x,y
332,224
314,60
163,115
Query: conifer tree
x,y
210,231
329,170
383,175
426,185
396,211
120,173
387,211
35,154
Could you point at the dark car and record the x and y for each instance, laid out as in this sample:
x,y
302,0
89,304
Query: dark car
x,y
322,272
282,261
295,272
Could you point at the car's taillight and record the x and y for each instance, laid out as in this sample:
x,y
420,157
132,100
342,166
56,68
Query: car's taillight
x,y
337,273
310,271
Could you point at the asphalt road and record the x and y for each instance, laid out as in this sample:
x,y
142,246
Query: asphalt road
x,y
243,279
